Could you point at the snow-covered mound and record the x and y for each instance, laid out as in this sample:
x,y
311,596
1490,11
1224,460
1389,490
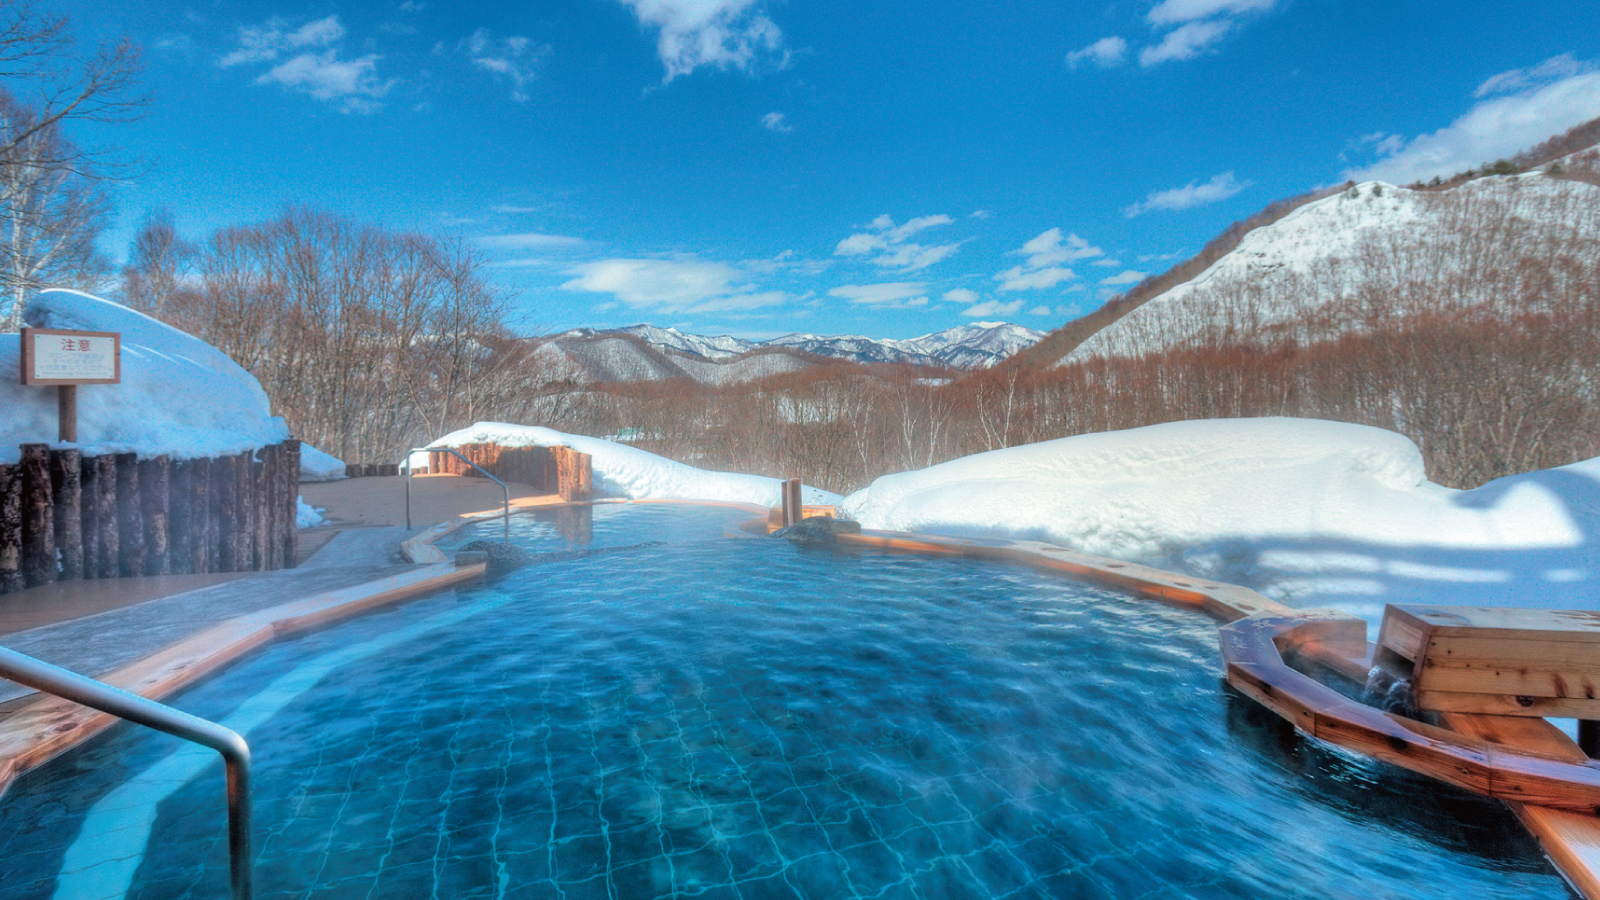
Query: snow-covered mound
x,y
631,473
179,395
316,465
1372,252
1309,511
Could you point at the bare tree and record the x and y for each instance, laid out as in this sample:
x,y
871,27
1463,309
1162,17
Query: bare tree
x,y
160,265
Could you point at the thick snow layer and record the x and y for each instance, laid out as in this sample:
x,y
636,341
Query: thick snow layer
x,y
179,395
1314,513
316,465
634,474
306,515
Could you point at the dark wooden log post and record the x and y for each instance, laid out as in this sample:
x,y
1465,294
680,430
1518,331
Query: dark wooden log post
x,y
89,514
290,498
291,503
66,483
180,519
271,510
225,488
38,517
155,482
202,519
130,516
262,512
244,491
108,543
10,529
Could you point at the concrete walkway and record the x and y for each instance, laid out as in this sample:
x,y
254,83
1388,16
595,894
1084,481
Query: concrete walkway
x,y
95,627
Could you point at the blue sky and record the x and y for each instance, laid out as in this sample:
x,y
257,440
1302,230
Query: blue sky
x,y
759,168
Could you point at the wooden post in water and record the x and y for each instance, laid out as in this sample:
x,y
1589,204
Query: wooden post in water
x,y
38,517
109,545
66,484
10,529
130,516
154,483
793,512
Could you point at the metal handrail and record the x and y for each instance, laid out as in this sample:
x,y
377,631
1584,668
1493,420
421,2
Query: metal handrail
x,y
486,473
42,676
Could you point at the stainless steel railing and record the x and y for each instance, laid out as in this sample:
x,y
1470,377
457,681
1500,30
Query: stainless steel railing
x,y
43,676
503,487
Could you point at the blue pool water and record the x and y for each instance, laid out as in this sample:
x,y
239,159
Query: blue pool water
x,y
720,718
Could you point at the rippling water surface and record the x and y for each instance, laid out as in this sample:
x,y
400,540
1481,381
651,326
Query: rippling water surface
x,y
726,718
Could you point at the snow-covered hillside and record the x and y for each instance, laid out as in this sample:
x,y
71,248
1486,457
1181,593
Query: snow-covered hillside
x,y
1375,251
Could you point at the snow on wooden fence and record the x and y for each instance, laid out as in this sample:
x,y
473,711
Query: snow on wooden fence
x,y
552,470
64,516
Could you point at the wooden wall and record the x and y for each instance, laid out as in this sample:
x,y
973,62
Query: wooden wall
x,y
552,470
64,516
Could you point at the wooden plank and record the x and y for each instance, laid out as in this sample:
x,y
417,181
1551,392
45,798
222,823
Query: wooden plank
x,y
1507,704
130,516
10,529
154,487
108,546
1497,622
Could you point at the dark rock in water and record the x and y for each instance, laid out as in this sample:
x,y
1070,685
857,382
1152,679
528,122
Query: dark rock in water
x,y
818,531
505,557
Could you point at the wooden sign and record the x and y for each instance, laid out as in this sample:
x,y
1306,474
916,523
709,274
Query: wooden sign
x,y
56,356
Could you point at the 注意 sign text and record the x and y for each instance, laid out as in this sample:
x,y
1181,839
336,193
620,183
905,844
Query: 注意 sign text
x,y
55,356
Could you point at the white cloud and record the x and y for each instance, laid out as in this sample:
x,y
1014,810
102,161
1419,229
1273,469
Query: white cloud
x,y
888,295
674,286
1185,42
1221,187
265,43
1039,311
1021,279
726,34
515,58
891,245
961,295
1105,53
1045,254
991,308
1174,12
528,240
311,63
1127,277
773,121
1546,100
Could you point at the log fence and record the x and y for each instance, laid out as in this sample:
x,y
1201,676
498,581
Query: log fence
x,y
65,516
552,470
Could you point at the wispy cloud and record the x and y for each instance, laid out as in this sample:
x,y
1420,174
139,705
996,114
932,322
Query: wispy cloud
x,y
307,59
889,245
724,34
774,121
1515,110
1043,266
1185,42
514,58
1128,276
531,240
673,285
991,308
1178,30
1105,53
1193,194
888,295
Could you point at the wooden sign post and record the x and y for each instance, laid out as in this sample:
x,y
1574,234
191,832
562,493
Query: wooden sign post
x,y
66,359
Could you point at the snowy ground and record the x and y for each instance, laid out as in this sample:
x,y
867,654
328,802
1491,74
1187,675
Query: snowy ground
x,y
1312,513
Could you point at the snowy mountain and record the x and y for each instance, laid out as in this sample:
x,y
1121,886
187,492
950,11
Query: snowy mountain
x,y
648,353
1371,254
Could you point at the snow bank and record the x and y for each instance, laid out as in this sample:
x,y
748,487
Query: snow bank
x,y
634,474
178,396
1311,512
316,465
